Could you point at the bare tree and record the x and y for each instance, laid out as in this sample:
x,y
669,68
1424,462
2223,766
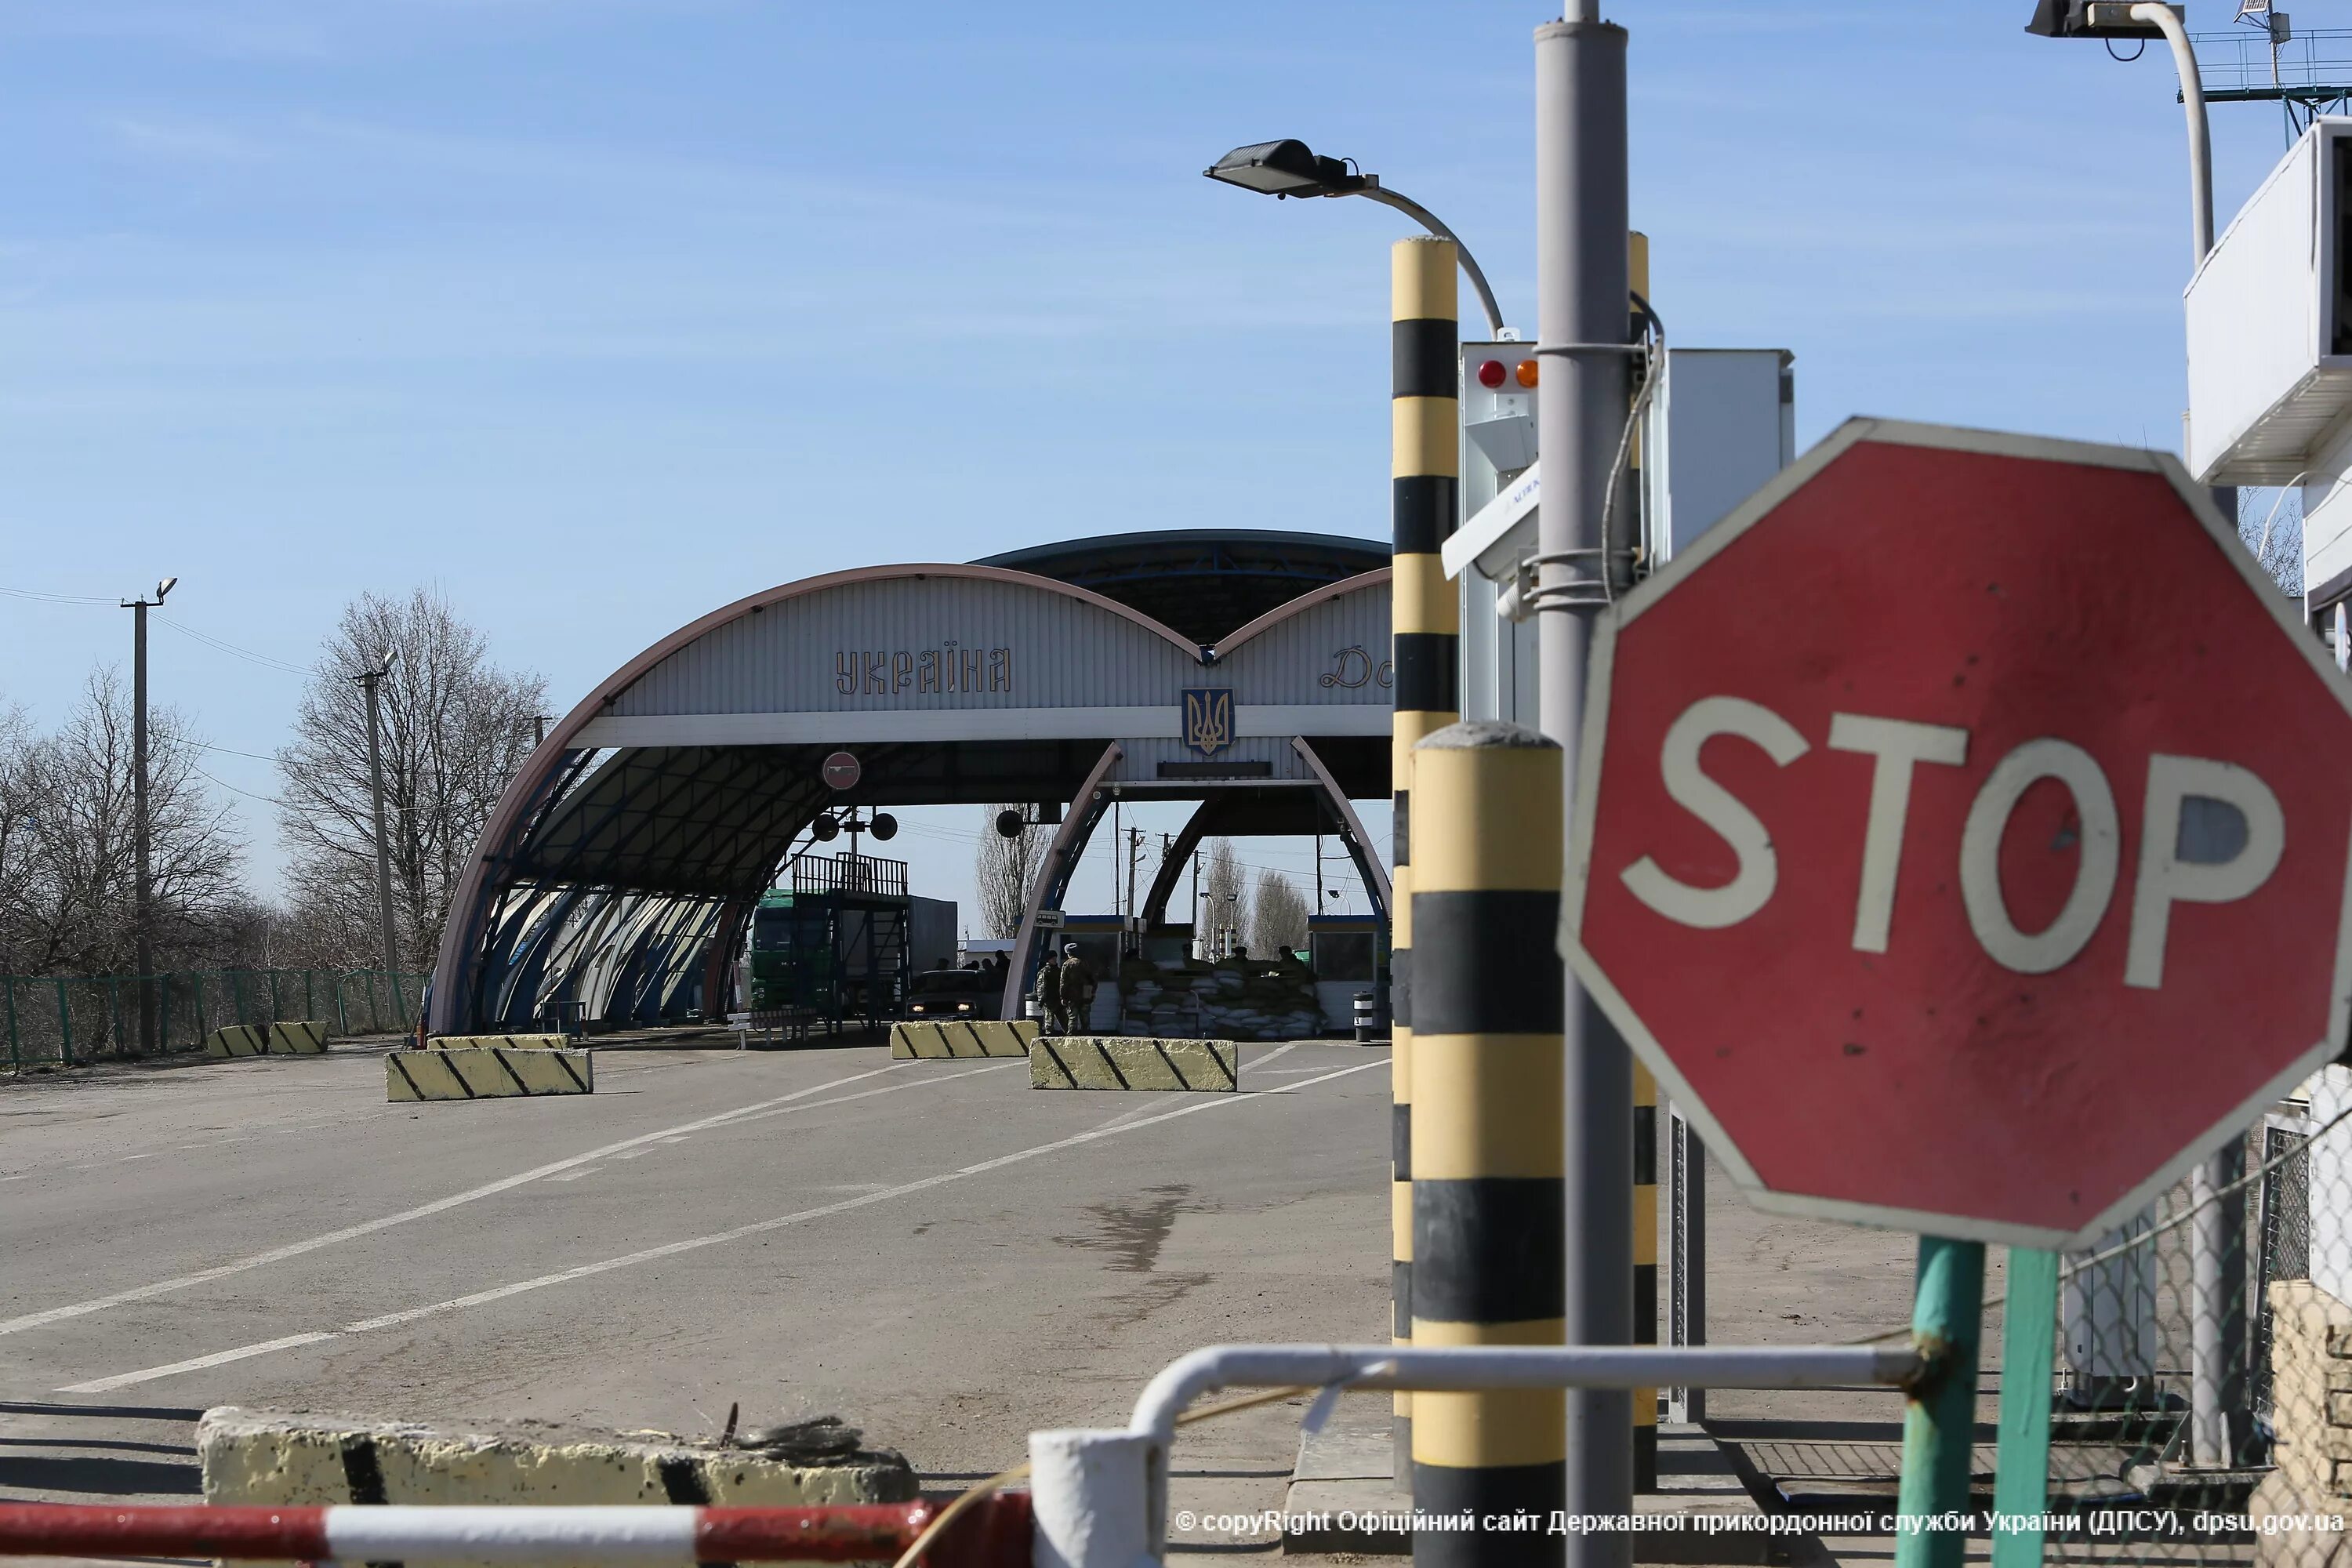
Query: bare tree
x,y
455,729
2272,526
66,808
1002,870
20,867
1277,916
1223,896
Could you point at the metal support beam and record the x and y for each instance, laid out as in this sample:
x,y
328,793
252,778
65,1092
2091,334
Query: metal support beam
x,y
1054,874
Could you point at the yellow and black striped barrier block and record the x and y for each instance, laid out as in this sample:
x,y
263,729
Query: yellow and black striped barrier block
x,y
1489,1255
238,1040
297,1038
498,1042
1424,469
488,1072
963,1037
1123,1061
1646,1270
305,1037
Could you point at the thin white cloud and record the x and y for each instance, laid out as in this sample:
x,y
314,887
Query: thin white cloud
x,y
186,141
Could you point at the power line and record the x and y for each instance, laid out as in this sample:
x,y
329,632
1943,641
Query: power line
x,y
232,789
230,751
56,598
229,647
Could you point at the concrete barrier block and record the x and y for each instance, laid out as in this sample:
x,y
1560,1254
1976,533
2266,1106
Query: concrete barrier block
x,y
963,1037
304,1038
1119,1061
498,1042
487,1073
259,1457
237,1040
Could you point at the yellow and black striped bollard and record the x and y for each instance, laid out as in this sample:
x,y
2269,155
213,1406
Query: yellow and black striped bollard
x,y
1488,1203
1425,464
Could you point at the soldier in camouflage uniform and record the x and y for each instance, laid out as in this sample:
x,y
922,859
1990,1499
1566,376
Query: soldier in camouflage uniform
x,y
1077,990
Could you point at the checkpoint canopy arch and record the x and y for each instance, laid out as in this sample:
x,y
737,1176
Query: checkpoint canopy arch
x,y
621,865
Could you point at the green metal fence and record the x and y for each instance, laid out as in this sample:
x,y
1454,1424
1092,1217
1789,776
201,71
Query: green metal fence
x,y
68,1019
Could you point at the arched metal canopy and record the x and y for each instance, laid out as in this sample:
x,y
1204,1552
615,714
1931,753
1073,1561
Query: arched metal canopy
x,y
620,863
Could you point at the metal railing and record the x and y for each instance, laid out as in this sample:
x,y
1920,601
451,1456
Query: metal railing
x,y
2244,60
71,1019
849,873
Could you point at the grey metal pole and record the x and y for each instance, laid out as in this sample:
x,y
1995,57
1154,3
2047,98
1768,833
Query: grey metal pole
x,y
382,842
1686,1255
1582,295
2219,1418
143,938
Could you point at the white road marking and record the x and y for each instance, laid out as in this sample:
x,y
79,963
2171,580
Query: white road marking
x,y
439,1205
575,1175
713,1238
100,1385
1124,1116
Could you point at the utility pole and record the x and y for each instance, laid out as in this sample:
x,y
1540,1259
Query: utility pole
x,y
1583,271
370,679
142,936
1200,921
1134,849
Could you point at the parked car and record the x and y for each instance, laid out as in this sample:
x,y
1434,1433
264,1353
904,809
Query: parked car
x,y
947,995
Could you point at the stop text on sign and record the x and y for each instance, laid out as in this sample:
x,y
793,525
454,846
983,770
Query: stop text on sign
x,y
2175,867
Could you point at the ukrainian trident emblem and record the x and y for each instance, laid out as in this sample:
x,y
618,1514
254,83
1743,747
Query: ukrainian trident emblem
x,y
1208,720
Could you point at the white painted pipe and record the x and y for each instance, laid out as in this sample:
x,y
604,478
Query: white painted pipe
x,y
1511,1366
1205,1371
1096,1500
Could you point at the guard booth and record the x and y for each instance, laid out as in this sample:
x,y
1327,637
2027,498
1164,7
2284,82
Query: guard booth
x,y
1343,951
837,945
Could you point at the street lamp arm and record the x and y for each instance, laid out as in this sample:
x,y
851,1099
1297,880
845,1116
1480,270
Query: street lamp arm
x,y
1430,221
2200,137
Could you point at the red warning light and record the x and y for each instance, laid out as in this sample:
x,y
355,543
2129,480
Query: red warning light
x,y
1491,374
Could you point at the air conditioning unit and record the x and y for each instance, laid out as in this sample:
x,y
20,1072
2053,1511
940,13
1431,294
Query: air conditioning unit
x,y
2270,324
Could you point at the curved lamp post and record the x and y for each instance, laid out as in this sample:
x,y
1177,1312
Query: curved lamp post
x,y
1289,168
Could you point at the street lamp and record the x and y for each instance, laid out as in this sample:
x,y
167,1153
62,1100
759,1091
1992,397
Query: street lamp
x,y
370,679
1290,168
142,876
2113,19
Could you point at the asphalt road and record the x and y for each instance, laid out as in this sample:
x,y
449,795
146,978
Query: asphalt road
x,y
931,1251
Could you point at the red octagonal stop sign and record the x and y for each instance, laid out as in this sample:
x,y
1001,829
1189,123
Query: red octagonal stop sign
x,y
1963,831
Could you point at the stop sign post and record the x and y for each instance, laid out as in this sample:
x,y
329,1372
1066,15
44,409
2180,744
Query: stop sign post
x,y
1962,835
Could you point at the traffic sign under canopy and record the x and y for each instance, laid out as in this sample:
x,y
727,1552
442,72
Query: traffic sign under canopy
x,y
1962,834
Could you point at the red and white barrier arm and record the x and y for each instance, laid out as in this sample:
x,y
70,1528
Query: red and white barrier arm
x,y
992,1534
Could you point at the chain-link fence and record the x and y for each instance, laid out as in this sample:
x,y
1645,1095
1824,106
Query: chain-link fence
x,y
68,1019
2199,1381
2203,1380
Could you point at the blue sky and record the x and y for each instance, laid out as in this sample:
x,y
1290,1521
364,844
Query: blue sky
x,y
598,313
